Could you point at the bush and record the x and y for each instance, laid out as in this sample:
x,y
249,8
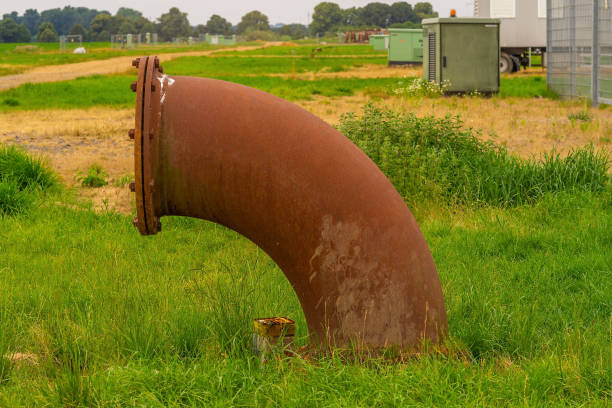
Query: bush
x,y
21,177
13,200
28,172
11,102
260,35
439,159
423,88
96,177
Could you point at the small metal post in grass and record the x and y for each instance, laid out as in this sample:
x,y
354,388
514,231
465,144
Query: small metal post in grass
x,y
272,333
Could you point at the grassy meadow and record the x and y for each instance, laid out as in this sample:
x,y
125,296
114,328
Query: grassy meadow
x,y
93,314
16,58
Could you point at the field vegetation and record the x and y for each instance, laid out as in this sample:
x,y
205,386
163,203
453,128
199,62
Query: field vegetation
x,y
93,314
17,58
113,90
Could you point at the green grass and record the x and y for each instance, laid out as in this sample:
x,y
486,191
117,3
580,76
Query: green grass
x,y
429,158
224,66
295,89
96,90
113,90
116,319
525,87
119,319
95,177
15,58
363,51
22,178
112,318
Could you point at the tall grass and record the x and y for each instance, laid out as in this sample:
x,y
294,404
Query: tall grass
x,y
526,87
22,177
116,319
309,49
6,341
113,90
439,159
234,65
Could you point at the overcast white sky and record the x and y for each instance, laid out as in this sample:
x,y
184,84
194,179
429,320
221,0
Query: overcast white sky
x,y
278,11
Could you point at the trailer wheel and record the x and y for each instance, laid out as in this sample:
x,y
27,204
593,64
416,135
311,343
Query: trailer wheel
x,y
505,63
517,64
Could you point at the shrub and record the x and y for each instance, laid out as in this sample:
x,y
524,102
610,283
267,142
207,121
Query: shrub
x,y
439,159
96,177
10,102
13,200
583,116
422,87
21,177
29,172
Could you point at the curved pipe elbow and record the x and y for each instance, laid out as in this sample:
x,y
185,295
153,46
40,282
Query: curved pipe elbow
x,y
301,191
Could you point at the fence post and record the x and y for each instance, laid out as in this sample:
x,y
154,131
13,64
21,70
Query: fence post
x,y
572,47
548,41
595,56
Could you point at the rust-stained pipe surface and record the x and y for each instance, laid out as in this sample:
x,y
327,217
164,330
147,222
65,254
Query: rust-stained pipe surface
x,y
301,191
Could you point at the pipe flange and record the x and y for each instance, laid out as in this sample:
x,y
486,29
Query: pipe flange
x,y
147,116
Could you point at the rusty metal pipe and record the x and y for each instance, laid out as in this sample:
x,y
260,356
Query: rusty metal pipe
x,y
301,191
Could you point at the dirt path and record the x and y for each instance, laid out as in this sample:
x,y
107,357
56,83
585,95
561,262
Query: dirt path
x,y
117,65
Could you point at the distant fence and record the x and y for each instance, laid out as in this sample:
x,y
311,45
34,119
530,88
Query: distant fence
x,y
579,48
133,40
75,40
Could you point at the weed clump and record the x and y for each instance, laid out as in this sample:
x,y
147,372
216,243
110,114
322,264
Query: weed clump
x,y
95,177
421,87
11,102
22,177
583,116
439,159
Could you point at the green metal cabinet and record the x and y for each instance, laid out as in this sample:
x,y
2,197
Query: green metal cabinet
x,y
405,46
463,53
379,41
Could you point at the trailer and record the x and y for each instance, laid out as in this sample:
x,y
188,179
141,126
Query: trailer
x,y
522,30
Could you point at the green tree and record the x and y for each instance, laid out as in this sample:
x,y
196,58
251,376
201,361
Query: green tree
x,y
10,31
199,30
47,33
142,25
326,17
13,16
78,29
101,27
64,19
126,26
401,12
423,10
376,14
218,25
174,24
352,17
128,13
253,21
31,19
295,31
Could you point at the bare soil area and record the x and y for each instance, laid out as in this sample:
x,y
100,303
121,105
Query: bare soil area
x,y
73,140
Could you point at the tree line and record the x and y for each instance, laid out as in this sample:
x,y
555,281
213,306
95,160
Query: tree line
x,y
99,25
329,17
